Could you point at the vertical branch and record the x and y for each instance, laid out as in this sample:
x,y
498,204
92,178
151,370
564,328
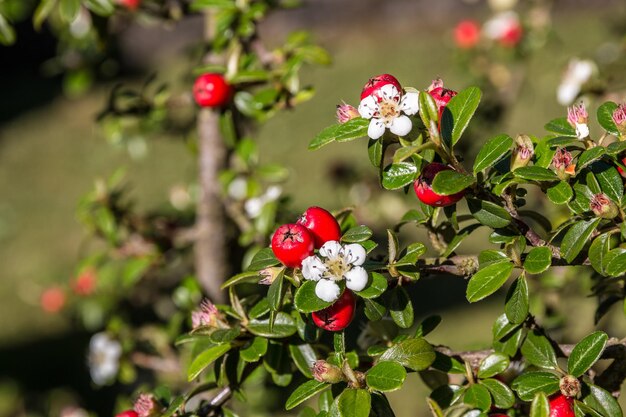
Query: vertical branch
x,y
210,247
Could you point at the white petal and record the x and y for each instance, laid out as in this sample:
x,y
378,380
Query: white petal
x,y
389,92
98,342
401,125
253,207
356,278
582,130
327,290
330,249
313,268
368,107
410,103
376,128
567,92
354,254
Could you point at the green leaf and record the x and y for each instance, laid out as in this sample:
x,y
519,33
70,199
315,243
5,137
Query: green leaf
x,y
530,383
42,12
538,260
276,292
323,138
244,277
401,308
451,182
535,173
375,288
516,307
381,406
304,392
616,148
398,175
477,396
374,310
198,5
605,117
576,238
488,280
560,193
458,113
306,301
488,213
303,356
510,344
375,151
598,250
615,264
416,354
540,406
254,350
610,180
283,326
502,395
493,151
494,364
385,376
586,353
263,259
100,7
221,336
427,325
352,129
68,10
7,33
561,127
354,403
357,234
204,359
249,76
428,108
603,402
589,156
538,351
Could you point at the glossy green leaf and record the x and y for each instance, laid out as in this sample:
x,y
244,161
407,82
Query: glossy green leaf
x,y
354,403
458,113
561,127
488,213
589,156
375,151
494,364
276,292
303,356
263,259
605,117
530,383
398,175
538,351
385,376
598,250
244,277
352,129
428,108
306,301
540,406
488,280
323,138
586,353
283,326
535,173
254,349
451,182
576,238
493,151
204,359
357,234
416,354
516,306
220,336
376,286
502,395
602,401
560,193
615,262
401,308
538,260
304,392
381,406
427,325
477,396
610,180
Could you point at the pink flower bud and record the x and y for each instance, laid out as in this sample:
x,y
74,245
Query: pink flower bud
x,y
346,112
619,117
603,207
562,163
146,406
522,153
577,117
325,372
268,275
207,316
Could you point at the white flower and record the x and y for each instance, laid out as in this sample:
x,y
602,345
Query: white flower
x,y
578,72
336,262
385,111
498,26
254,206
104,357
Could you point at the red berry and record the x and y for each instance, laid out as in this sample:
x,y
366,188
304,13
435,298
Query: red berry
x,y
127,413
337,316
466,34
291,244
321,224
620,170
211,90
374,84
424,191
130,4
53,300
442,97
512,35
561,406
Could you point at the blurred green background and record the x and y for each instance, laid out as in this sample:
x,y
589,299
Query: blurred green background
x,y
51,151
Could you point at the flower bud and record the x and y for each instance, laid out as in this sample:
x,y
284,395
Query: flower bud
x,y
147,406
603,207
326,372
577,117
570,386
522,153
619,118
207,315
346,112
562,163
269,275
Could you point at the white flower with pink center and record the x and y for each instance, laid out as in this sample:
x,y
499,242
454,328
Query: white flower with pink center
x,y
389,109
577,117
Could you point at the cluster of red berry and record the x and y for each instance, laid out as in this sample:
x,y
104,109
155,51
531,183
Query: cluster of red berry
x,y
294,242
560,406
